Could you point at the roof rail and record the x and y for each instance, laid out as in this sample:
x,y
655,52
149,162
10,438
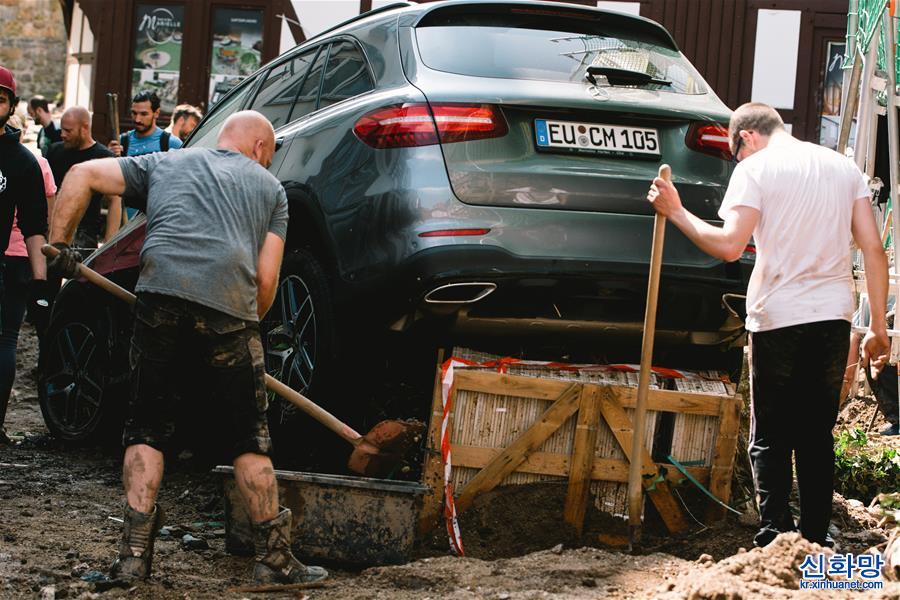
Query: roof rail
x,y
386,8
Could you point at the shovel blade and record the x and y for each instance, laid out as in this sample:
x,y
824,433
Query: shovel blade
x,y
382,449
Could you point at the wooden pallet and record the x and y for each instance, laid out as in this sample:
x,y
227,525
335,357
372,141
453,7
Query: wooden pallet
x,y
513,429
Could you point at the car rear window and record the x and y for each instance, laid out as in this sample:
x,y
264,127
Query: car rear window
x,y
545,47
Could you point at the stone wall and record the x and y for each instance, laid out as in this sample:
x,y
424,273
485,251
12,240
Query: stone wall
x,y
33,46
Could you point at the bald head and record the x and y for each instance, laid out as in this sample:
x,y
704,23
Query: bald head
x,y
249,133
75,128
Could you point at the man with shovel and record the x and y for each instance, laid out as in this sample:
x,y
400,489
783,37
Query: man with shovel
x,y
802,203
216,223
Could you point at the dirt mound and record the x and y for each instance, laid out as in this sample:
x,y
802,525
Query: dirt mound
x,y
576,574
761,573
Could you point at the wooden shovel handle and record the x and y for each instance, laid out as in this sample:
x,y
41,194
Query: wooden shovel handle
x,y
635,488
299,400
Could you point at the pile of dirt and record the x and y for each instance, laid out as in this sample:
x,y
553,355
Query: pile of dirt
x,y
861,412
761,573
554,574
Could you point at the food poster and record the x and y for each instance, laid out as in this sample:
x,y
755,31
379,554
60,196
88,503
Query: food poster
x,y
236,48
157,52
832,89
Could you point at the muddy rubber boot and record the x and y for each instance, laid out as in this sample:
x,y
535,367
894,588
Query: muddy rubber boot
x,y
275,563
136,546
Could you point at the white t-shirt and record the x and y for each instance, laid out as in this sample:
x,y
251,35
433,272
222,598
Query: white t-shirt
x,y
805,195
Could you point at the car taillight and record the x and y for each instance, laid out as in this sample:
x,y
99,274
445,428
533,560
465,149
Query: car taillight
x,y
421,125
709,138
454,232
749,252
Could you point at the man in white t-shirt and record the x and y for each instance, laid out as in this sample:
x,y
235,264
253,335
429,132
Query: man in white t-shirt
x,y
803,205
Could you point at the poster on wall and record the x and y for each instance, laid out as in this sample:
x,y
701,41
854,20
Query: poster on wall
x,y
832,89
157,52
236,48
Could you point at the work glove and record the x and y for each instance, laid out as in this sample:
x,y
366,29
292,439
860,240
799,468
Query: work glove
x,y
65,264
40,299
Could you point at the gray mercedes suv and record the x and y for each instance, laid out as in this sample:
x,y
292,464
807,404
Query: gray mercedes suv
x,y
465,168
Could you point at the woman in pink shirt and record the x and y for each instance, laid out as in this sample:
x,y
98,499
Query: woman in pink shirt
x,y
16,277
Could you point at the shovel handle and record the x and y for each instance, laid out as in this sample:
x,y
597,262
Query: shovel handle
x,y
635,488
294,397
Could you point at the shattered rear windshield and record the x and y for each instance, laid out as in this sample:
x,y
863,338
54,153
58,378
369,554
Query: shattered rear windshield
x,y
522,53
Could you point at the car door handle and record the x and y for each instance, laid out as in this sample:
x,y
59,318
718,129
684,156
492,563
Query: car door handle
x,y
279,142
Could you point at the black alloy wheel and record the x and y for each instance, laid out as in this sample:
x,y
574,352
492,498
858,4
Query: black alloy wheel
x,y
298,331
73,378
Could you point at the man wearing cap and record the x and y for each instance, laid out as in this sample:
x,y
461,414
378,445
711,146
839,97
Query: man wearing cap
x,y
21,193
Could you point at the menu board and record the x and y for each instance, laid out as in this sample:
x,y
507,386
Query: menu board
x,y
236,48
157,52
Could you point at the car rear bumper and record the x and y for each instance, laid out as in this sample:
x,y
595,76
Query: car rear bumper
x,y
487,290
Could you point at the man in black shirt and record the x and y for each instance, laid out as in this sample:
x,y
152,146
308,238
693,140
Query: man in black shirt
x,y
22,189
39,110
78,146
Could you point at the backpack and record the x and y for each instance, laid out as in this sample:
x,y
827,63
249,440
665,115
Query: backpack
x,y
163,142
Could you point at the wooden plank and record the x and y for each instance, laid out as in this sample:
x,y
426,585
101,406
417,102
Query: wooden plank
x,y
660,495
669,401
740,83
491,382
582,459
433,468
548,389
510,458
545,463
723,457
691,43
728,56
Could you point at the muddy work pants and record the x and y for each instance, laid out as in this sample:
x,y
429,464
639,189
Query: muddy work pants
x,y
795,383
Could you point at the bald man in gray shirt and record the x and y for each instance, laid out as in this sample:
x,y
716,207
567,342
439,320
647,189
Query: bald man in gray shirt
x,y
216,224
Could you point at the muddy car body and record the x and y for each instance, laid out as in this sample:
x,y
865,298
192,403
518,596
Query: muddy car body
x,y
427,184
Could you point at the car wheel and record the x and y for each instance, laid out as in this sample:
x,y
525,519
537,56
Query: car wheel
x,y
74,371
299,331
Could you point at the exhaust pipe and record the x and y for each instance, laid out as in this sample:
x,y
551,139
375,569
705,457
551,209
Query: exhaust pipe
x,y
460,293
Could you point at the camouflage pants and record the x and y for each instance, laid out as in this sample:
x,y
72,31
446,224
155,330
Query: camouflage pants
x,y
172,335
795,384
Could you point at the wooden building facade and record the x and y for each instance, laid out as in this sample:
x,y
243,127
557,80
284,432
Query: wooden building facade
x,y
777,51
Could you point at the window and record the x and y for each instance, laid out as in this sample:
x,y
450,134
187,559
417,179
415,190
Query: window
x,y
79,67
206,135
346,74
309,92
552,49
277,93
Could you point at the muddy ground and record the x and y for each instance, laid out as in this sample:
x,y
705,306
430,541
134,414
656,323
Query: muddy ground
x,y
58,528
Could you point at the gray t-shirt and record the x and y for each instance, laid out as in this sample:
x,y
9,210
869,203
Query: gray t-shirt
x,y
208,213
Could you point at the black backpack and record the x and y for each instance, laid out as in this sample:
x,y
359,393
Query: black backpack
x,y
163,142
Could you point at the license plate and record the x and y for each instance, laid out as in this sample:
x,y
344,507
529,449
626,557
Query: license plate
x,y
596,138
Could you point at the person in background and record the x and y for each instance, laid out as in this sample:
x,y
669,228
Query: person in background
x,y
22,193
146,137
184,120
39,110
79,146
16,282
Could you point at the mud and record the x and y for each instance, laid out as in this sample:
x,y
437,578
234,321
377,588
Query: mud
x,y
58,527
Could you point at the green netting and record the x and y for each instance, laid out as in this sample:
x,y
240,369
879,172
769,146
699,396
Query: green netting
x,y
870,14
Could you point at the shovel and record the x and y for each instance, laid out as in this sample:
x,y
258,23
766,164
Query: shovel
x,y
635,487
375,454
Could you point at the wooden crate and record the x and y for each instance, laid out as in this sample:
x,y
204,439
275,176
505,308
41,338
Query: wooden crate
x,y
538,423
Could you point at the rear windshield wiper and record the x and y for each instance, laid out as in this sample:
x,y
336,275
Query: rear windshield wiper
x,y
622,76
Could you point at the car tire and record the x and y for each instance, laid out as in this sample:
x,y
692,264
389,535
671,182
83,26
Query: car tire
x,y
299,339
74,375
